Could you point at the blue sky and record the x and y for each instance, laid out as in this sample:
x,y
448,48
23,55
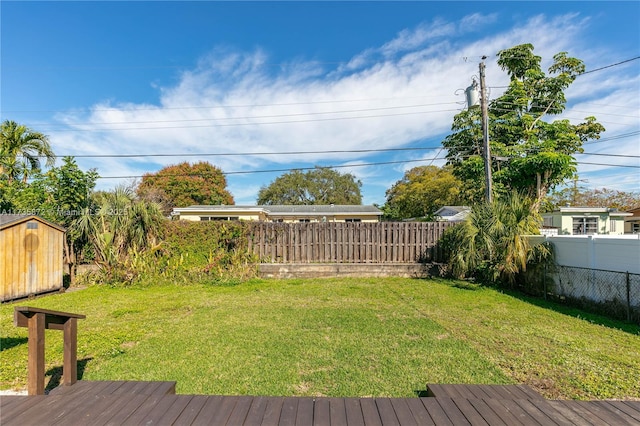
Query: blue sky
x,y
257,88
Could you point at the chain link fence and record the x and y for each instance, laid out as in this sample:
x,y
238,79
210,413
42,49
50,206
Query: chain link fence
x,y
615,294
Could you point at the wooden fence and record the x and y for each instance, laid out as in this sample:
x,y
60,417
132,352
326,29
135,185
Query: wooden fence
x,y
359,242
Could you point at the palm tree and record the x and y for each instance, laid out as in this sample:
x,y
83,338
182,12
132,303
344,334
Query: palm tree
x,y
492,243
21,149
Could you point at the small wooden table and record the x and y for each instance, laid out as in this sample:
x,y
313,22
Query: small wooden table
x,y
37,320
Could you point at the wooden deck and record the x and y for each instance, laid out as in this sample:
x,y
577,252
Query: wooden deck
x,y
155,403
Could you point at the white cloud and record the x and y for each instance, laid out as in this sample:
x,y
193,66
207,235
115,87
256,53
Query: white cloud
x,y
388,96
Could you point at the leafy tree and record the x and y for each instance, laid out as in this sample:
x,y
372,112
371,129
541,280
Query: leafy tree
x,y
21,149
421,191
530,155
584,197
185,184
321,186
491,244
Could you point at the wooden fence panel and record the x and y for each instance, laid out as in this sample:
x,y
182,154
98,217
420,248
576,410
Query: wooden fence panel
x,y
338,242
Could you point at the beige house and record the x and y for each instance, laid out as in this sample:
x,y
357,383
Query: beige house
x,y
586,221
281,213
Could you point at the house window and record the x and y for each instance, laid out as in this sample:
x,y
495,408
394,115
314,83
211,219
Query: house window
x,y
635,228
612,225
305,220
32,225
353,220
547,221
585,225
204,218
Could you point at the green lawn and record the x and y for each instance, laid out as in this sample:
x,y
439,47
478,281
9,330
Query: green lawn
x,y
333,337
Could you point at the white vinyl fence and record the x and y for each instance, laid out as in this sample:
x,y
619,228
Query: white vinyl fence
x,y
599,268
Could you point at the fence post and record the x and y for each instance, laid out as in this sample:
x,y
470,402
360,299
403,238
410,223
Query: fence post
x,y
628,297
544,280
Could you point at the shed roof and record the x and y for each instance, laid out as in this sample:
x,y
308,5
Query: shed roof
x,y
7,220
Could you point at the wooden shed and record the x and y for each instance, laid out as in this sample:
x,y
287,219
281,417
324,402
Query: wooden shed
x,y
31,256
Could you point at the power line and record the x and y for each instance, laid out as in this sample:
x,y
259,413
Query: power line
x,y
610,66
282,170
252,117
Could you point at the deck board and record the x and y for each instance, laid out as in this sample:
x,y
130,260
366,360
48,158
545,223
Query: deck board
x,y
154,404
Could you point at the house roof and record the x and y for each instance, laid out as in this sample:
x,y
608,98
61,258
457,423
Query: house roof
x,y
286,209
7,220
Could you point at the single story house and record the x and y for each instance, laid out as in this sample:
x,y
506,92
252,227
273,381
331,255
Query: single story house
x,y
281,213
452,213
31,256
586,220
632,223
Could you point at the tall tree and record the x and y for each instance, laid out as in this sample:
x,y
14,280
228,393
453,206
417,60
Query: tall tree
x,y
421,192
530,155
320,186
185,184
21,150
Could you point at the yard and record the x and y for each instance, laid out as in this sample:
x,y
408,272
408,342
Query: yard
x,y
332,337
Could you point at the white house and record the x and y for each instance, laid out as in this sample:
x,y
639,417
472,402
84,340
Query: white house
x,y
452,213
586,220
281,213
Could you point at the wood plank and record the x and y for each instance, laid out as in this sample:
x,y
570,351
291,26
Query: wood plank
x,y
337,412
206,409
387,413
577,416
304,416
180,403
191,413
503,412
435,410
17,405
403,412
608,416
289,412
486,412
145,410
370,412
240,411
115,408
419,411
630,408
452,411
542,412
256,411
272,411
321,412
353,410
470,413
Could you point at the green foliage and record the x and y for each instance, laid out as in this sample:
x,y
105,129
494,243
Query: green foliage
x,y
185,184
421,191
20,151
529,155
320,186
188,252
491,245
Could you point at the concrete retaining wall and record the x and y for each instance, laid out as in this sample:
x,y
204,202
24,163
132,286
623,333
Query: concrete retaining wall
x,y
318,270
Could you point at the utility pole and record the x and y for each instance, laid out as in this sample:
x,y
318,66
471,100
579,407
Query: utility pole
x,y
485,134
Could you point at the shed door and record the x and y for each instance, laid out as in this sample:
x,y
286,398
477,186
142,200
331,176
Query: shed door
x,y
31,244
